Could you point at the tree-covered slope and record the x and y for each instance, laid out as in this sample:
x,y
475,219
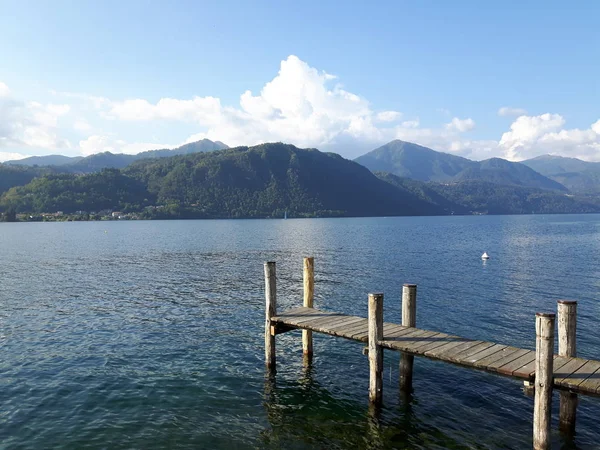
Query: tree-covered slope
x,y
416,162
501,171
108,160
268,179
409,160
49,160
262,181
480,197
18,175
577,175
109,189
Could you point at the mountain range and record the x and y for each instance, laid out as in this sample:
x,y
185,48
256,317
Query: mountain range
x,y
575,174
413,161
270,179
106,160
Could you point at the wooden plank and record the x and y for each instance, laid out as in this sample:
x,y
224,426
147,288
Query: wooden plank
x,y
471,360
447,351
326,322
528,370
591,384
495,366
443,345
323,324
313,317
389,328
352,329
400,342
461,356
580,375
397,333
510,367
334,330
410,341
484,363
434,341
348,335
573,365
296,315
295,312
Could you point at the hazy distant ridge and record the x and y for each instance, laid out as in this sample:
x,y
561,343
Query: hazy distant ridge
x,y
409,160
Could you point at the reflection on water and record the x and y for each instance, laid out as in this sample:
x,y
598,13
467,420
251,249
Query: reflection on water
x,y
150,335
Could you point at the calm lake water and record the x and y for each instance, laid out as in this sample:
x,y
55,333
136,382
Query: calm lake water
x,y
150,334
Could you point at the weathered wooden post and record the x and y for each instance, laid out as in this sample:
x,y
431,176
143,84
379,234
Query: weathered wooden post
x,y
567,346
309,293
409,319
270,311
375,319
544,357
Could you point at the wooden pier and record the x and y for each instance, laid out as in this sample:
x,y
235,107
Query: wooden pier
x,y
540,367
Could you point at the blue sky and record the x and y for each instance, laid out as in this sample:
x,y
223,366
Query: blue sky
x,y
81,77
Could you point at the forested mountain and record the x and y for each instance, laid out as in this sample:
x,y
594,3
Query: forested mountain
x,y
409,160
50,160
577,175
18,176
480,197
501,171
108,160
261,181
271,179
421,163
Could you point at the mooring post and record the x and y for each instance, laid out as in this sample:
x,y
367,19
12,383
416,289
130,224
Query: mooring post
x,y
544,357
567,346
409,319
270,311
375,350
309,293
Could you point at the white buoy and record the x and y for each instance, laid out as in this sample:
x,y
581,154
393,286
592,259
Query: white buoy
x,y
485,256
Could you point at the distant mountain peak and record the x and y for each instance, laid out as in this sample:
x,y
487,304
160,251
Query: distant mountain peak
x,y
417,162
105,160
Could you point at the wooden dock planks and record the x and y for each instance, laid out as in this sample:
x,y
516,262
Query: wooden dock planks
x,y
574,374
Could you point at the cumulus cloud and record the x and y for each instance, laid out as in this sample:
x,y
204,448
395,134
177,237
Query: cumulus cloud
x,y
82,125
300,105
100,144
388,116
4,90
508,111
461,125
526,131
30,124
11,156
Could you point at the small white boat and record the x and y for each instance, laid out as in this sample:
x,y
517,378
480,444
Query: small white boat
x,y
485,256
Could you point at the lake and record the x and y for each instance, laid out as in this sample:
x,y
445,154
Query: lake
x,y
149,334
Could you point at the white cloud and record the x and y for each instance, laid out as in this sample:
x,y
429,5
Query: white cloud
x,y
4,90
388,116
82,125
300,105
525,132
10,156
30,124
100,144
508,111
411,123
460,125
